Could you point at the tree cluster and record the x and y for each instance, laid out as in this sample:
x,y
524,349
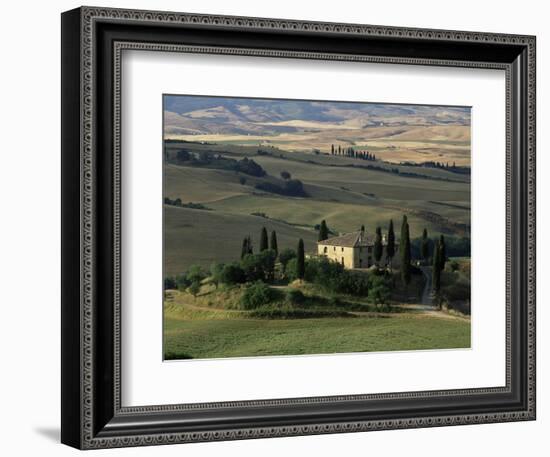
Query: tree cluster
x,y
290,188
190,280
351,152
250,167
329,275
179,202
216,160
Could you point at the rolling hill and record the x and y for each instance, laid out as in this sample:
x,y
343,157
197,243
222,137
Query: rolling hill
x,y
399,132
345,196
200,237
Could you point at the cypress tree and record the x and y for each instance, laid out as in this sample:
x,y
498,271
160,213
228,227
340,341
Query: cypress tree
x,y
332,149
405,246
323,231
246,246
436,271
263,240
362,228
273,243
390,248
443,252
244,249
424,247
402,237
300,261
378,245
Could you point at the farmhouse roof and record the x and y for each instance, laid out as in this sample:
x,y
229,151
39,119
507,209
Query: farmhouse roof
x,y
350,240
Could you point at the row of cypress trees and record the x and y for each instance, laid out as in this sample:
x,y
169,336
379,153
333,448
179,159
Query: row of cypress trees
x,y
390,243
404,249
350,152
247,249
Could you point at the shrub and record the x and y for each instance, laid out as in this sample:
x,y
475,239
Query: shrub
x,y
454,266
291,269
459,290
285,175
259,267
322,271
351,283
256,295
216,270
182,282
195,274
295,297
232,274
379,290
333,277
194,288
285,256
170,283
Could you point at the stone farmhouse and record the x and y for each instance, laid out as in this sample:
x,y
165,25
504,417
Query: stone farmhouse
x,y
355,250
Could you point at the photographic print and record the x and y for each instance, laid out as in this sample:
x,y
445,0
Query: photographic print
x,y
296,227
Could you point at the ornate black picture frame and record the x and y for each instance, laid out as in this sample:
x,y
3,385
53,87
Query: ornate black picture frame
x,y
92,42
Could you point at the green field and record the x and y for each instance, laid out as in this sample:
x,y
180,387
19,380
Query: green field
x,y
193,329
213,325
248,337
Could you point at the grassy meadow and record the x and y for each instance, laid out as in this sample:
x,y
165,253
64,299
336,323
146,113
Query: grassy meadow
x,y
238,337
198,327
